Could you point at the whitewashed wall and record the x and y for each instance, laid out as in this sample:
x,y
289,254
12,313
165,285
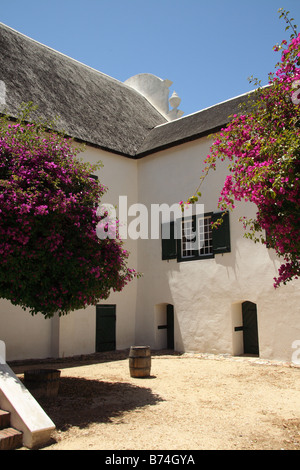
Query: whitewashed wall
x,y
207,294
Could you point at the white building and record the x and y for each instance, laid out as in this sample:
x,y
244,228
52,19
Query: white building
x,y
217,300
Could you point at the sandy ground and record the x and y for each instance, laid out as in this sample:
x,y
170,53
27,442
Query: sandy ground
x,y
189,402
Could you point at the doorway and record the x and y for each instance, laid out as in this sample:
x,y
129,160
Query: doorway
x,y
164,323
105,328
170,326
250,328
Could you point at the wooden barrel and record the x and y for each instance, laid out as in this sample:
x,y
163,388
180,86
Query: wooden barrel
x,y
140,361
42,382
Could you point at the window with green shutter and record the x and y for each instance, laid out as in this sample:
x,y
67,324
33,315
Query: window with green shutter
x,y
197,240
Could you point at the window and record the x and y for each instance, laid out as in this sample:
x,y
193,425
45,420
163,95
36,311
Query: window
x,y
188,238
197,239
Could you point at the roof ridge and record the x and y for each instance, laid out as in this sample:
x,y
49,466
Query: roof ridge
x,y
210,107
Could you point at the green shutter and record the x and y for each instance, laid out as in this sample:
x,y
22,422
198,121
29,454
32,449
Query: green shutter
x,y
221,234
168,241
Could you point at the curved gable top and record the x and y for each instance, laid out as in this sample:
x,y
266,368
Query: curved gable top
x,y
91,106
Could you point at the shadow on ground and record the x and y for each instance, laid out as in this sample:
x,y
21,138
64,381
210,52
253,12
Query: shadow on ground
x,y
81,402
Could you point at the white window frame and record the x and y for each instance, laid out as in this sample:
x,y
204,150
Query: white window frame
x,y
202,238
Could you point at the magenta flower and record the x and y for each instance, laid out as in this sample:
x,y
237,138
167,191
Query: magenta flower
x,y
52,259
263,150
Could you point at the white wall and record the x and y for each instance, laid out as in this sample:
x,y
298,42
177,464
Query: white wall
x,y
120,175
25,336
207,294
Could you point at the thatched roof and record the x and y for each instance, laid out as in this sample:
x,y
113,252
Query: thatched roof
x,y
93,107
192,126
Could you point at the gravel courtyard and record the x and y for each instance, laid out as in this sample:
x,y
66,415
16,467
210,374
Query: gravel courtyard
x,y
189,402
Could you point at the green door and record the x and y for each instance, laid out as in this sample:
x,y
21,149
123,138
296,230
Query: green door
x,y
170,326
250,329
105,328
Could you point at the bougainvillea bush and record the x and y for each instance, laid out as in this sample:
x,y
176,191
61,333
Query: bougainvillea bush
x,y
51,257
262,146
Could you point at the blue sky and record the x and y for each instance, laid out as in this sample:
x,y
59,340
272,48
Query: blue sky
x,y
208,49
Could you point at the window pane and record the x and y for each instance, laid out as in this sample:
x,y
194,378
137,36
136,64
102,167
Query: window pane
x,y
188,239
196,237
205,236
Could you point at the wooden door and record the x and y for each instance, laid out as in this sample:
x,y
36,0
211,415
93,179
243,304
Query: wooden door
x,y
170,326
105,328
250,328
